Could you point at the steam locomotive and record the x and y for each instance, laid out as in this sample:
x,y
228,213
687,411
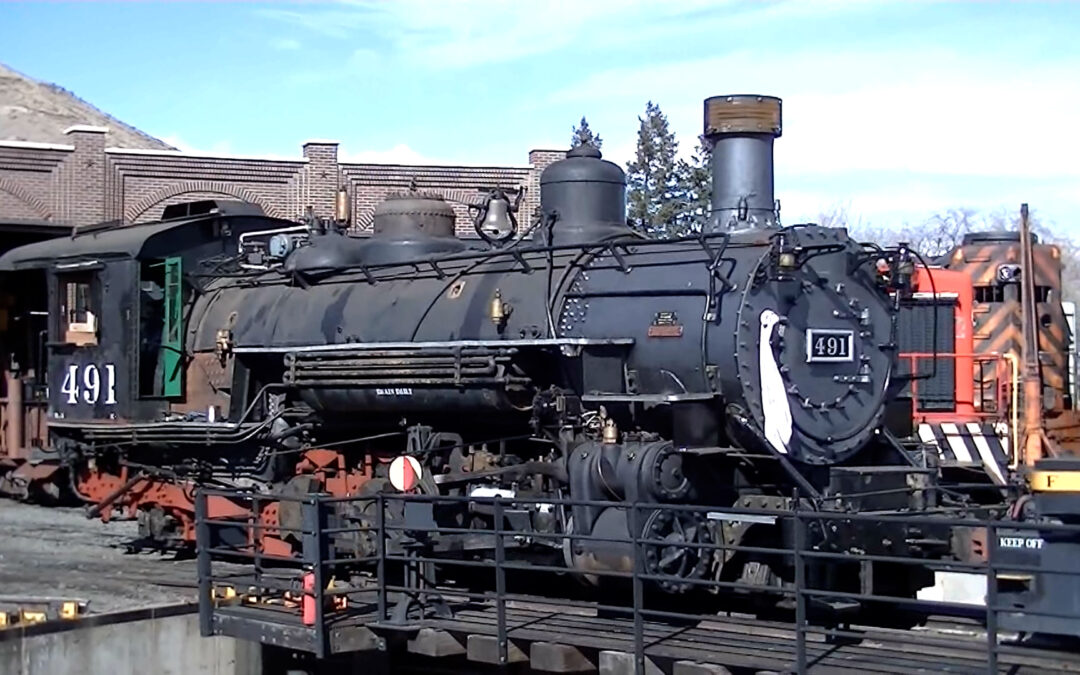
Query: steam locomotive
x,y
572,358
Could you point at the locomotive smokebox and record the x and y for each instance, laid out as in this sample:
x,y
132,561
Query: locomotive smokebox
x,y
740,130
586,195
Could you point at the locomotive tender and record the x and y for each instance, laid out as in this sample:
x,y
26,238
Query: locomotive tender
x,y
749,365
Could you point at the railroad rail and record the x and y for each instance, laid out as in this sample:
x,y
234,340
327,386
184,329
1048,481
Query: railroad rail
x,y
538,616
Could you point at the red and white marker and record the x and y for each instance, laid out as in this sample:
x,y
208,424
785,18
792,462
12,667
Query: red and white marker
x,y
405,473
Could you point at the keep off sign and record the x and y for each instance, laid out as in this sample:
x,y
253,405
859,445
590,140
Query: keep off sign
x,y
405,473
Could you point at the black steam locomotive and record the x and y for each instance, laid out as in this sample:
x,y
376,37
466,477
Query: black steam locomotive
x,y
573,358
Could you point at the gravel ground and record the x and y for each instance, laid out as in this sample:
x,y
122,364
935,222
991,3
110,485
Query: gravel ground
x,y
59,552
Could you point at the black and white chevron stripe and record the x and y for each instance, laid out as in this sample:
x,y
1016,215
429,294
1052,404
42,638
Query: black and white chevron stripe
x,y
971,444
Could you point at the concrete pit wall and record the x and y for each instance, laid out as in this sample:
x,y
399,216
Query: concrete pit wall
x,y
169,645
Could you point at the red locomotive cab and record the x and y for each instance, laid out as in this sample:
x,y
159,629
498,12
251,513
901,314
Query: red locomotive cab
x,y
950,354
959,401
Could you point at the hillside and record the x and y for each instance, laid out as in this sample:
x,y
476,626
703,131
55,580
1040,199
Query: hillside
x,y
38,111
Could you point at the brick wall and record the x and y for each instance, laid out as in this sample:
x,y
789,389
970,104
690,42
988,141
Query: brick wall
x,y
81,177
142,183
84,182
369,184
321,176
539,160
29,180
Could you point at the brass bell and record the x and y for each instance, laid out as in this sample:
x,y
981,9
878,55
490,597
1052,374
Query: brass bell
x,y
496,221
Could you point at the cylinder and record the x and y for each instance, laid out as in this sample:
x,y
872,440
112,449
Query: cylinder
x,y
740,131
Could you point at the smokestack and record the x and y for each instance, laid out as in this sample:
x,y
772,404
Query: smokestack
x,y
741,130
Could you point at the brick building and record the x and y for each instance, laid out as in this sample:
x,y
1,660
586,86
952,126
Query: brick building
x,y
84,182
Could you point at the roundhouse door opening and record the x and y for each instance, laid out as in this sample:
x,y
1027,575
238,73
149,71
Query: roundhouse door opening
x,y
23,337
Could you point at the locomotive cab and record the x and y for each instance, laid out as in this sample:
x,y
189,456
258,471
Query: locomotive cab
x,y
116,296
110,338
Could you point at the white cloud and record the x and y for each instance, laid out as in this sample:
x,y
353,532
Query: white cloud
x,y
175,141
898,132
450,35
897,119
619,153
929,112
914,199
220,147
459,35
909,203
223,149
333,23
286,44
399,154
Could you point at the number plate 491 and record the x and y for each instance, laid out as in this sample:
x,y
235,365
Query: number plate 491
x,y
829,345
85,384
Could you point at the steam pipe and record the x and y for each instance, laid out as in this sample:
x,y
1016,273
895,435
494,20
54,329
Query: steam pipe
x,y
1032,379
1014,368
96,509
740,131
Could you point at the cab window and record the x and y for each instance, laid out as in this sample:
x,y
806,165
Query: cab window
x,y
79,309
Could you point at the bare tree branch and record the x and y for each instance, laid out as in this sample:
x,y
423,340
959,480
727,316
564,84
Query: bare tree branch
x,y
943,231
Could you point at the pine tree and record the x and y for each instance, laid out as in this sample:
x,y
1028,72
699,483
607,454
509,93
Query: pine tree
x,y
653,177
583,134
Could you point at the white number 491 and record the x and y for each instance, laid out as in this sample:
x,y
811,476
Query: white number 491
x,y
90,384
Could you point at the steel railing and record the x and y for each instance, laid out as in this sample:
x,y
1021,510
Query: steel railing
x,y
982,372
398,587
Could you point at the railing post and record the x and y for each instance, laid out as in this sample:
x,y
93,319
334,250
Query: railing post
x,y
380,534
991,599
257,535
500,581
314,541
639,590
202,548
914,386
800,583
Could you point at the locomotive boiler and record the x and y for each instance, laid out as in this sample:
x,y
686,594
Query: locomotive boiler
x,y
573,358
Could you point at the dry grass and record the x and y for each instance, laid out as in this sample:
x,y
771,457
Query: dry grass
x,y
38,111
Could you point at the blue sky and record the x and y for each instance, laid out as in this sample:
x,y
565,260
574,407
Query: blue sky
x,y
896,109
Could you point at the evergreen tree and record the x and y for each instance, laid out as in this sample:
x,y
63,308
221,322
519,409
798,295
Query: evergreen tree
x,y
654,198
583,134
696,188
